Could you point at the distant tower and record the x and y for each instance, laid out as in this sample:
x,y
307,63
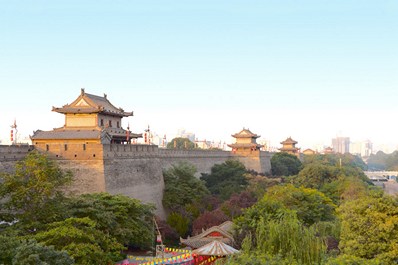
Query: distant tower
x,y
246,143
289,146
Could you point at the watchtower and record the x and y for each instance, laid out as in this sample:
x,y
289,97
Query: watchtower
x,y
89,119
289,146
246,143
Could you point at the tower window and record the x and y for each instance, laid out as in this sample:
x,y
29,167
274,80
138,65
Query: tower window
x,y
102,122
110,123
117,124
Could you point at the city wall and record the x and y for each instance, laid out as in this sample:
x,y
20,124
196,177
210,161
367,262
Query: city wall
x,y
132,170
10,155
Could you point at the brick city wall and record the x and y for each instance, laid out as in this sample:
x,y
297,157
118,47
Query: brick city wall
x,y
132,170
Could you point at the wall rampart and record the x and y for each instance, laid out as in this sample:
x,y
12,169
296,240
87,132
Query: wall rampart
x,y
14,152
11,154
132,170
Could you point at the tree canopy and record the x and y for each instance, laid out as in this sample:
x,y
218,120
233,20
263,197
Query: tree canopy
x,y
38,183
126,219
383,161
370,228
181,186
181,144
284,164
82,241
38,219
226,178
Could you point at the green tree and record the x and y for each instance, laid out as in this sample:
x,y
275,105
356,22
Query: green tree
x,y
8,245
315,175
181,144
124,218
282,240
284,164
32,253
182,187
179,222
370,228
338,160
38,183
311,205
352,260
226,179
82,241
378,161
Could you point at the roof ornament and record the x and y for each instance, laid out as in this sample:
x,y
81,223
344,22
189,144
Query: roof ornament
x,y
82,91
105,95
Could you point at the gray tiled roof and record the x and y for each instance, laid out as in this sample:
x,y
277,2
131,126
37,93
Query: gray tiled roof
x,y
67,134
245,133
96,104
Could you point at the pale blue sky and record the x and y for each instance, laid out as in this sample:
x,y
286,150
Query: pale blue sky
x,y
306,69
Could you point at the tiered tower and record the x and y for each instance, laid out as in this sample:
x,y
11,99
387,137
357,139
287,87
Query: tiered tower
x,y
90,119
289,146
246,143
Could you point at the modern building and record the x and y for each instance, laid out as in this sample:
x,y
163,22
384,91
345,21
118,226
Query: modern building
x,y
341,145
184,134
362,148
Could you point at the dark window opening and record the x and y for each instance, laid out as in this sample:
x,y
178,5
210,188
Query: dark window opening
x,y
102,122
117,124
47,147
66,147
110,123
84,147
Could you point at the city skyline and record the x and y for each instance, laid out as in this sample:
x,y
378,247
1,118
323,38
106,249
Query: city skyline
x,y
309,70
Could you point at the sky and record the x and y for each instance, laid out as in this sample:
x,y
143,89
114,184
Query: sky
x,y
309,69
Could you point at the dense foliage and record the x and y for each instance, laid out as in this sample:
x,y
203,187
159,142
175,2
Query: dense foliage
x,y
181,143
329,211
370,227
284,164
383,161
123,218
38,183
282,240
326,213
226,179
181,186
40,225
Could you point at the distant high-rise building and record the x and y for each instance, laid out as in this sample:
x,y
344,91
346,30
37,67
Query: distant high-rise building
x,y
341,145
184,134
364,148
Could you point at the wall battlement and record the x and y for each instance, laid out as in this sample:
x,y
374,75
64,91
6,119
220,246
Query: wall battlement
x,y
132,170
14,152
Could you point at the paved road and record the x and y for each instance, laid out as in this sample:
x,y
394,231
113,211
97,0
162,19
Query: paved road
x,y
391,187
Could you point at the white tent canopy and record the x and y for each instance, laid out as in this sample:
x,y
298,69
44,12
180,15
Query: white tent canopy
x,y
215,248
